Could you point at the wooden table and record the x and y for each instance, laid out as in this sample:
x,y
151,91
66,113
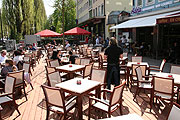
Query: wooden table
x,y
129,67
70,70
86,86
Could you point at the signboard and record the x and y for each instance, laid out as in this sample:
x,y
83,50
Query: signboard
x,y
30,39
174,19
10,45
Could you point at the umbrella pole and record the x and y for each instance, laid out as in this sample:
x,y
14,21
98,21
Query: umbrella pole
x,y
63,23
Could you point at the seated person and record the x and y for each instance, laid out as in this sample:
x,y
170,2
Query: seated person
x,y
3,57
17,57
71,58
67,45
32,48
56,55
9,67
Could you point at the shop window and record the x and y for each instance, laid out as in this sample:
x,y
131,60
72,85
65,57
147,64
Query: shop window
x,y
139,3
102,10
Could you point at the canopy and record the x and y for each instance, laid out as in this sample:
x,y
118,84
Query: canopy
x,y
141,22
77,31
48,33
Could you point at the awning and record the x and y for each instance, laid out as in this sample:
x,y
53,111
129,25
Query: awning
x,y
77,31
175,18
141,22
48,33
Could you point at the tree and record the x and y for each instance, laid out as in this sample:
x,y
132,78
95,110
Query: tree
x,y
22,16
64,16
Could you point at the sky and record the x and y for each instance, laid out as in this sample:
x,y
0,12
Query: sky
x,y
48,6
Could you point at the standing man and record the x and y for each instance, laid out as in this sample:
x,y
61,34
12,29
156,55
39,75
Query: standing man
x,y
112,53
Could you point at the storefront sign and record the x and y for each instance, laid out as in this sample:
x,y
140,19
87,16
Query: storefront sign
x,y
168,20
136,10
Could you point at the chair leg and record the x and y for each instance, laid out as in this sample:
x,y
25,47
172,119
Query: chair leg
x,y
136,93
109,114
31,86
65,116
89,112
47,114
25,92
16,107
120,108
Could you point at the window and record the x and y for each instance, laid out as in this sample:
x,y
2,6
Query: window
x,y
102,10
150,2
90,14
96,12
99,10
139,2
90,3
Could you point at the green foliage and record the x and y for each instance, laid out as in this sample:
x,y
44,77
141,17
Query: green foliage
x,y
69,15
23,17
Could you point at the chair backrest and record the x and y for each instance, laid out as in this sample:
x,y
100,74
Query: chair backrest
x,y
50,69
53,78
54,96
19,75
162,65
137,59
26,67
139,74
77,61
117,94
143,69
47,61
54,63
175,69
163,85
85,61
9,85
88,70
175,112
98,75
125,54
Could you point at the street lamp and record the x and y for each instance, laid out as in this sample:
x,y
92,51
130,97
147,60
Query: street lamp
x,y
1,26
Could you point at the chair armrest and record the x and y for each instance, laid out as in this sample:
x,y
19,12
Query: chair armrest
x,y
98,100
5,94
106,90
154,69
71,100
153,66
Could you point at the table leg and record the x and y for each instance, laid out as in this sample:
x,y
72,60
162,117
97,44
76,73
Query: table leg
x,y
128,74
80,112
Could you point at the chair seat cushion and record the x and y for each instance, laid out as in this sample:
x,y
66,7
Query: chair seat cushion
x,y
165,96
5,99
54,108
103,106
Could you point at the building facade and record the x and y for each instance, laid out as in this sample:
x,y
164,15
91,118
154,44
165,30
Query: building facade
x,y
93,14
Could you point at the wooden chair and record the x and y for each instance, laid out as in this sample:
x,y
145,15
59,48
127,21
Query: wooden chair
x,y
142,83
54,63
137,59
78,61
87,71
49,69
175,69
110,106
102,62
85,61
8,96
174,114
163,89
20,83
133,76
56,102
157,68
47,62
27,73
53,78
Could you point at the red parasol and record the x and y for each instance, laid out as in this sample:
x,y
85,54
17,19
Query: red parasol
x,y
77,31
48,33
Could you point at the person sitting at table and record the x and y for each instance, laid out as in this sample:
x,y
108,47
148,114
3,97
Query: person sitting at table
x,y
67,44
18,59
9,67
3,57
112,54
21,50
56,55
71,58
32,48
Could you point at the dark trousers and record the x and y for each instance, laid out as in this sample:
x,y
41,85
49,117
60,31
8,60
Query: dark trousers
x,y
113,75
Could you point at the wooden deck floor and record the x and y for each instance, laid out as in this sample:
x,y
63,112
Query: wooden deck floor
x,y
34,108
